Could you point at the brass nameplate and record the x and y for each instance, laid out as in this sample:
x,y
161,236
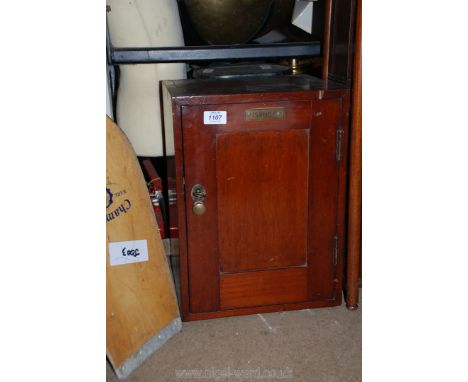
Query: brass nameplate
x,y
262,114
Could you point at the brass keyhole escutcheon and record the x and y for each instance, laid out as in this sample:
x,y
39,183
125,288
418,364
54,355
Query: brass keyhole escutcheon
x,y
198,197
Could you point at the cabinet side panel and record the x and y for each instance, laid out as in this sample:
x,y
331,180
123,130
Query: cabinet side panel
x,y
177,186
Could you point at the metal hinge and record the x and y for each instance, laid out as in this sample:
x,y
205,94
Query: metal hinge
x,y
336,250
339,144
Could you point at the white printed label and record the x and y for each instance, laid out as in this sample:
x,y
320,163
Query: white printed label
x,y
214,118
127,252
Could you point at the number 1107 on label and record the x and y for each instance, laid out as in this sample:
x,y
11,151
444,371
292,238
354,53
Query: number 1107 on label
x,y
214,118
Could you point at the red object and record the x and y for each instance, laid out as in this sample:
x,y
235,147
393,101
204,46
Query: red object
x,y
172,196
155,190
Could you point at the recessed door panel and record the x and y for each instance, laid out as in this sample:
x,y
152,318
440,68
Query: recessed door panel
x,y
262,191
277,286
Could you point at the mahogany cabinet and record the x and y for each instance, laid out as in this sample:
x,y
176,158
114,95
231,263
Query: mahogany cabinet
x,y
260,168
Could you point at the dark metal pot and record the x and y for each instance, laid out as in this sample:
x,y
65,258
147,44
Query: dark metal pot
x,y
222,22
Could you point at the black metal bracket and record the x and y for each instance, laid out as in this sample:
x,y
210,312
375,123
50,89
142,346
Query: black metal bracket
x,y
213,53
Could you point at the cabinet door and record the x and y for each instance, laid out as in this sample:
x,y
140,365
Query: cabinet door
x,y
269,178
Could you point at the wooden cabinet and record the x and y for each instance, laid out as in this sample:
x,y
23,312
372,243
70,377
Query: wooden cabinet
x,y
261,178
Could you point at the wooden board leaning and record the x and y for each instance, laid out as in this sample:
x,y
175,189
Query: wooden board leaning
x,y
141,307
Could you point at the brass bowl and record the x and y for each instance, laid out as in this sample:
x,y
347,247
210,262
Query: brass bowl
x,y
222,22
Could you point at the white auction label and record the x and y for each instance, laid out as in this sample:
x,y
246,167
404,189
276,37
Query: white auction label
x,y
214,117
128,252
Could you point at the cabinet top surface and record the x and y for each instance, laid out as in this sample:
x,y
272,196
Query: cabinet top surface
x,y
249,85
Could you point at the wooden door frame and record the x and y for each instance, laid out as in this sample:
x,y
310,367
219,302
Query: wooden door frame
x,y
354,255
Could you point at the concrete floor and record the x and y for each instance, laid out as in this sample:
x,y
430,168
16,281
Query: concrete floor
x,y
322,345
